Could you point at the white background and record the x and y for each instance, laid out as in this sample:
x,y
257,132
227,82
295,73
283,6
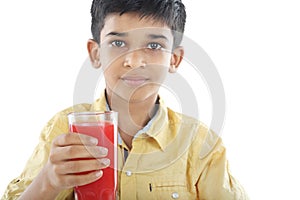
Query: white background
x,y
255,46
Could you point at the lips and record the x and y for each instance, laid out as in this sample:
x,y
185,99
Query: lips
x,y
134,81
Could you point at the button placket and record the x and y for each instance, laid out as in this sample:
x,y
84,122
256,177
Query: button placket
x,y
128,173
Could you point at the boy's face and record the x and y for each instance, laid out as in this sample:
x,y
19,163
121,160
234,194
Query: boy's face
x,y
136,55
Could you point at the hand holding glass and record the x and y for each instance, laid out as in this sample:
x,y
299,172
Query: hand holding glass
x,y
103,126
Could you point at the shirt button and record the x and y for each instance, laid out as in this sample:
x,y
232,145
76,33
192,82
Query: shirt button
x,y
175,195
128,173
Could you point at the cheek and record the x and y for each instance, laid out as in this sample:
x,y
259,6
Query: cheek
x,y
158,73
109,57
158,57
112,65
111,74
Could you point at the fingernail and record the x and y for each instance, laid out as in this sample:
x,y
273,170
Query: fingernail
x,y
94,141
103,150
98,173
105,161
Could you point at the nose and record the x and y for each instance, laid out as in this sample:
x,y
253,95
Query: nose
x,y
135,59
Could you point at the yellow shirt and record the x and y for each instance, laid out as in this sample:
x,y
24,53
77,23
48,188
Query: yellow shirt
x,y
177,158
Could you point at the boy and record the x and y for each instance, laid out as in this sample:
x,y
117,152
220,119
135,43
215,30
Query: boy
x,y
136,43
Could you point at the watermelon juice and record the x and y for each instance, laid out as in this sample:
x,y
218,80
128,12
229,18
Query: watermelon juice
x,y
105,187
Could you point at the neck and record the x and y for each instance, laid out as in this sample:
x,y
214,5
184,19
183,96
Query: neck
x,y
132,115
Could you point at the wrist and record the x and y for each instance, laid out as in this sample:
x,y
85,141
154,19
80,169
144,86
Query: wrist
x,y
46,186
40,188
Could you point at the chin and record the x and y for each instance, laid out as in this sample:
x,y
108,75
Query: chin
x,y
137,95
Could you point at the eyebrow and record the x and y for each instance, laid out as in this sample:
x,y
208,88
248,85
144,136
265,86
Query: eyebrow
x,y
155,36
151,36
117,34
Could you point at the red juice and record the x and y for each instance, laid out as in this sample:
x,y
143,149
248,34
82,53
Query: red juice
x,y
105,187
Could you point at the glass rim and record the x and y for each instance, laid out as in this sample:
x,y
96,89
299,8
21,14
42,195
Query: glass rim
x,y
79,113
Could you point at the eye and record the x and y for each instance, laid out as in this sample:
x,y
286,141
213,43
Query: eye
x,y
118,43
154,46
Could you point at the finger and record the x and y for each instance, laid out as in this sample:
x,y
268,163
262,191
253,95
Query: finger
x,y
73,139
72,180
77,152
79,166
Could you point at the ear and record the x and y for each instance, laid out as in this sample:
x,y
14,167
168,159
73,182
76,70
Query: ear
x,y
94,53
176,58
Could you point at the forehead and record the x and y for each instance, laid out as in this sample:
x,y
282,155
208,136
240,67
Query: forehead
x,y
133,24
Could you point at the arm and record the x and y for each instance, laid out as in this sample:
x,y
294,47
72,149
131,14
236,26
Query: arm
x,y
215,181
37,160
34,175
60,172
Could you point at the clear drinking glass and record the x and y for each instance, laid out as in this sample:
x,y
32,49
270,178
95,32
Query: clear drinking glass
x,y
104,127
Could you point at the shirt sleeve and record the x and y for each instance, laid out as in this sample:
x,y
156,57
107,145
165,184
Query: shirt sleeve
x,y
57,125
216,181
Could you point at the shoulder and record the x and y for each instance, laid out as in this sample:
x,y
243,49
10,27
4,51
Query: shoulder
x,y
204,140
58,124
62,116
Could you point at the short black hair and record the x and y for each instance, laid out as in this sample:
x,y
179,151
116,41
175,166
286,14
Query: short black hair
x,y
170,12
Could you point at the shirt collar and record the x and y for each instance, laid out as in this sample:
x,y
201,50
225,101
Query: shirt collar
x,y
161,127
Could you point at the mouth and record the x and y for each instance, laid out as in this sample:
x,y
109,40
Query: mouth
x,y
134,81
